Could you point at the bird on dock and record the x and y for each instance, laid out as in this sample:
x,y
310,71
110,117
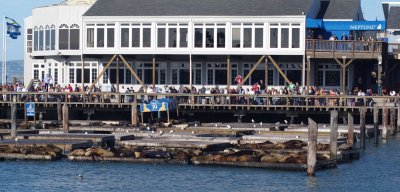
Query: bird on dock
x,y
297,136
80,176
144,124
286,122
119,128
252,120
161,132
152,132
324,125
193,132
148,128
254,126
86,133
195,124
216,125
127,131
16,139
171,131
183,128
302,123
261,123
228,126
277,123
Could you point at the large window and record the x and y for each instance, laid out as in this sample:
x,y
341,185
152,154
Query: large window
x,y
100,35
29,39
284,35
247,35
329,75
89,72
172,35
47,39
41,40
135,35
217,73
145,72
209,35
68,38
36,39
273,36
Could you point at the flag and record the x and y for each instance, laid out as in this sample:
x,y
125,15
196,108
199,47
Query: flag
x,y
13,28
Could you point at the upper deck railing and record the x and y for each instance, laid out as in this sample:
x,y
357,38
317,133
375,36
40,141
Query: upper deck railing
x,y
351,49
201,101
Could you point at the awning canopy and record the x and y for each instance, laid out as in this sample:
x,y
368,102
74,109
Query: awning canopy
x,y
346,25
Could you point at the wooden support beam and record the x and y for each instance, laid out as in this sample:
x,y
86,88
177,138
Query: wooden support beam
x,y
362,127
385,122
154,71
350,133
134,111
13,120
312,147
59,110
130,69
65,119
252,70
398,118
103,71
118,77
279,69
83,73
308,74
266,75
376,129
333,134
392,121
228,73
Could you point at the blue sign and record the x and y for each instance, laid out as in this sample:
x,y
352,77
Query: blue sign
x,y
30,109
158,105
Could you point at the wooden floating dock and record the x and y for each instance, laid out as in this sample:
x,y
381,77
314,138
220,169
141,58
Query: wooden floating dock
x,y
66,145
148,142
96,139
19,156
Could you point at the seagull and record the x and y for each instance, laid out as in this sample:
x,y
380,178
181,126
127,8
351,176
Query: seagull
x,y
216,125
119,129
324,125
127,131
193,132
277,123
182,128
86,133
302,123
161,132
252,120
285,121
145,124
148,128
152,132
171,131
254,126
16,139
195,124
80,176
228,126
261,123
297,136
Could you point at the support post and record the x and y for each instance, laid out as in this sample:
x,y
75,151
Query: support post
x,y
119,99
376,130
59,110
308,74
13,120
83,73
303,72
398,118
385,122
312,147
65,119
266,75
134,111
228,73
362,127
154,71
350,133
392,121
333,134
190,72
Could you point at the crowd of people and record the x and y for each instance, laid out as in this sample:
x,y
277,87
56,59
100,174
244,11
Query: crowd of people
x,y
257,94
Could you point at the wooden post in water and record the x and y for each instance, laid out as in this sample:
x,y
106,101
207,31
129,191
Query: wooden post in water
x,y
398,118
392,121
362,127
13,120
65,119
59,110
333,134
376,130
312,147
385,122
134,112
350,133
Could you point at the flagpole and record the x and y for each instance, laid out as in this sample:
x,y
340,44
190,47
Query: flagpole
x,y
5,50
3,76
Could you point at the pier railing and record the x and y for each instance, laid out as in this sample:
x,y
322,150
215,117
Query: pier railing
x,y
202,101
351,49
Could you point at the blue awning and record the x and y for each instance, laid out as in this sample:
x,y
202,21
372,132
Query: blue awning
x,y
314,23
346,25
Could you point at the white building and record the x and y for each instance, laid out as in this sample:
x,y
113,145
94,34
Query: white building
x,y
207,36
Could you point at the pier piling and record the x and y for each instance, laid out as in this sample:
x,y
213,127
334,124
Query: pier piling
x,y
312,147
13,120
385,122
65,119
376,130
333,134
398,118
134,112
362,128
59,110
350,133
392,121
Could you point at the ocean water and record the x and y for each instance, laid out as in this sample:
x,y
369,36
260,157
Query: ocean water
x,y
377,170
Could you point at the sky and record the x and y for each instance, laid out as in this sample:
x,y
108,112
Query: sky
x,y
20,9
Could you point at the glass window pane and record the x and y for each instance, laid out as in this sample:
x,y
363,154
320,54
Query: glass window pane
x,y
41,40
90,37
247,37
295,38
198,37
124,37
284,38
110,37
221,38
146,37
258,39
161,37
63,39
36,40
174,76
47,39
135,37
53,39
236,37
71,76
74,39
100,37
172,37
94,75
184,76
198,77
273,38
78,75
162,76
87,75
183,37
210,77
209,37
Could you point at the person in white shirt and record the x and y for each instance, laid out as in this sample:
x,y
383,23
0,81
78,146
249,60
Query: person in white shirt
x,y
122,91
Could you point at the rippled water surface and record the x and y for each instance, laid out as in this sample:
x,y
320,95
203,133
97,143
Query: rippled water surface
x,y
377,170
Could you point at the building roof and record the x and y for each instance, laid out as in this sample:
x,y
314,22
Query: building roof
x,y
393,20
342,9
199,7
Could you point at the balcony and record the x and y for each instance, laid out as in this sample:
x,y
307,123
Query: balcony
x,y
324,49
